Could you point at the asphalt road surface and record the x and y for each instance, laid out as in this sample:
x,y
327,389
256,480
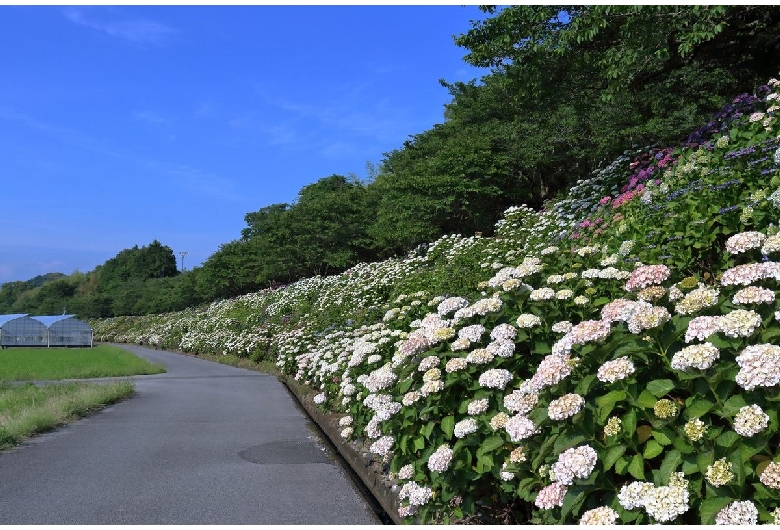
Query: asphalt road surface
x,y
203,443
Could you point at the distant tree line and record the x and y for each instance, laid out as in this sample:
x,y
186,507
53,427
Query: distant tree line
x,y
569,88
135,281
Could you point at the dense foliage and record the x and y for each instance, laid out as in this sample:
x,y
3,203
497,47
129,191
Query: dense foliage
x,y
132,282
611,361
569,88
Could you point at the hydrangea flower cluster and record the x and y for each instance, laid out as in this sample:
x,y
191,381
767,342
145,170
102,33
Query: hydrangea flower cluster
x,y
772,243
697,356
478,406
651,294
577,462
455,364
750,420
480,356
701,328
450,305
383,445
647,275
744,241
770,476
613,426
738,512
565,406
695,429
737,323
416,494
440,460
720,473
696,300
551,496
528,321
495,378
615,370
603,515
552,370
749,273
465,427
521,402
759,365
753,295
665,409
666,503
582,333
520,428
632,495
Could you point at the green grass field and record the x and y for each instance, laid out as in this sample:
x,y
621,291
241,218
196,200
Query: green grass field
x,y
29,409
30,364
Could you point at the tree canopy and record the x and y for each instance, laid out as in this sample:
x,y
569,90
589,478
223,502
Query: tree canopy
x,y
569,88
628,46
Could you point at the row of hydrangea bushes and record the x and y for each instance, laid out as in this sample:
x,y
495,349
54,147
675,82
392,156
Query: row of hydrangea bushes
x,y
610,359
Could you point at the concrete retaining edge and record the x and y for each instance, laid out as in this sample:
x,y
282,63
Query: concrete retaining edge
x,y
364,464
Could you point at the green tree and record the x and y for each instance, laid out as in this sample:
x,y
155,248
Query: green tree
x,y
323,232
454,178
570,88
268,236
327,226
155,261
230,271
629,46
9,293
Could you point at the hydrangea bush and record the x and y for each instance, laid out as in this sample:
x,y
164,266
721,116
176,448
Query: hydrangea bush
x,y
610,359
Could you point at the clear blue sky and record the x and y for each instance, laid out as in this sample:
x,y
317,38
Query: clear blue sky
x,y
120,125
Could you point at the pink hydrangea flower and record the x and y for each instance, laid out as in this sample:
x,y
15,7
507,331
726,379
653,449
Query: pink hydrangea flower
x,y
647,275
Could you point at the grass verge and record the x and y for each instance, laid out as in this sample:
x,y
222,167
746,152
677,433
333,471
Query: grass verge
x,y
30,364
29,409
266,367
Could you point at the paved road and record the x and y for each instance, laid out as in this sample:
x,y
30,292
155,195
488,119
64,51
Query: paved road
x,y
204,443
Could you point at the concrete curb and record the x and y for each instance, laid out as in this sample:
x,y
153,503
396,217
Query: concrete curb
x,y
364,464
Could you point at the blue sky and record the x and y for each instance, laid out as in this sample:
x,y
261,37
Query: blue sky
x,y
120,125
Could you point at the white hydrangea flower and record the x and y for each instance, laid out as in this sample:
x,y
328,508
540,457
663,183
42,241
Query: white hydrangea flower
x,y
603,515
750,420
406,472
565,406
738,512
699,356
519,428
495,378
440,460
527,320
665,503
577,462
633,495
478,406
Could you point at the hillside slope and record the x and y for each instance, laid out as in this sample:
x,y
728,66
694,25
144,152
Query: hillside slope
x,y
608,359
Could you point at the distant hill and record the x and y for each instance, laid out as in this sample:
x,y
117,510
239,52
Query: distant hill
x,y
43,279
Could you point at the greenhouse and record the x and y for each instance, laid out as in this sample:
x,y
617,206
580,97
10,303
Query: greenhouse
x,y
65,330
21,330
57,330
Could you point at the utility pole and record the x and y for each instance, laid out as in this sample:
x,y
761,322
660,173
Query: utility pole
x,y
182,253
